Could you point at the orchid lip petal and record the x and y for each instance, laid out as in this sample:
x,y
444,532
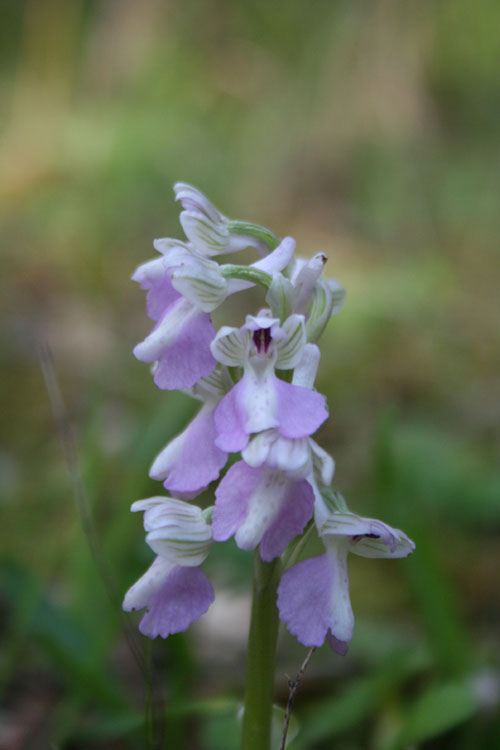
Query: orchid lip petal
x,y
174,464
261,401
261,506
314,601
145,587
180,346
173,595
166,332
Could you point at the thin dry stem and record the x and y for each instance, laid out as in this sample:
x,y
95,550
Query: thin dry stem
x,y
293,685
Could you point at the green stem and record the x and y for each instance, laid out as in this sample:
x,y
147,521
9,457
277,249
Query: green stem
x,y
249,229
246,273
259,687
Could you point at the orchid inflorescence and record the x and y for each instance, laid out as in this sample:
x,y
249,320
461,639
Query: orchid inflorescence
x,y
256,387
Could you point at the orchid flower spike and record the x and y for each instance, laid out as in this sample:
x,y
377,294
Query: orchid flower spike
x,y
256,387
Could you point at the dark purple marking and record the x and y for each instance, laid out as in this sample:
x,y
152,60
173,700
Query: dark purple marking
x,y
262,338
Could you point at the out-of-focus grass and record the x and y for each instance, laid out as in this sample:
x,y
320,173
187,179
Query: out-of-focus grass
x,y
368,131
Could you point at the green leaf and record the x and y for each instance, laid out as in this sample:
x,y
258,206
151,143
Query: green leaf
x,y
62,641
437,710
357,701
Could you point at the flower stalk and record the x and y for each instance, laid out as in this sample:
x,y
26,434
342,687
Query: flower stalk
x,y
261,654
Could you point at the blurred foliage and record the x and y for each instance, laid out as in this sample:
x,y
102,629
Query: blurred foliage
x,y
366,130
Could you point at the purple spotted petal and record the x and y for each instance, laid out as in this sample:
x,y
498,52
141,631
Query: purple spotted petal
x,y
300,410
313,599
261,401
249,407
261,506
185,595
191,460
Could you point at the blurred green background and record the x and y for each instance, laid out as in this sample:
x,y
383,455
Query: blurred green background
x,y
367,130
